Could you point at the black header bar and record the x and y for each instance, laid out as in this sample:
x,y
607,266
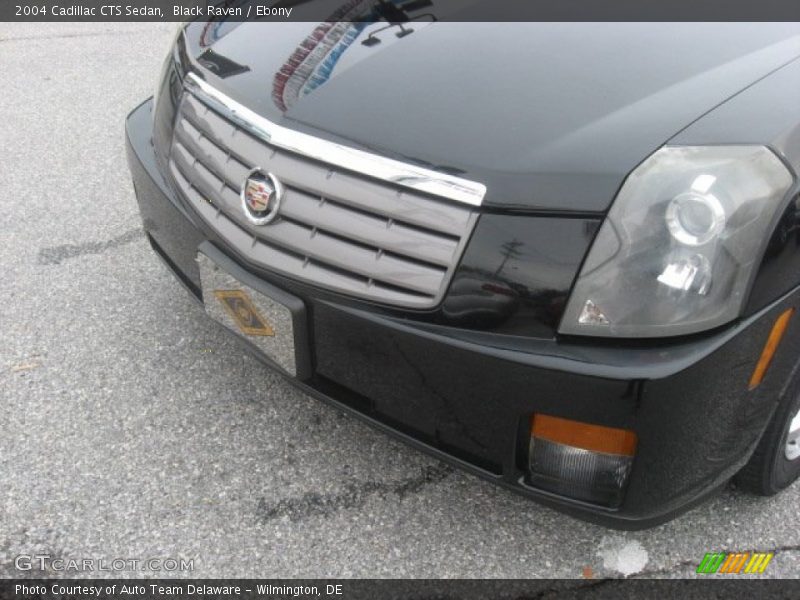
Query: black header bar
x,y
399,10
383,589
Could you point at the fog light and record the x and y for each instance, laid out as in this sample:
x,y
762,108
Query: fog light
x,y
581,461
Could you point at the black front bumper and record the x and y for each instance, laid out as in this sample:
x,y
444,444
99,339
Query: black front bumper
x,y
467,397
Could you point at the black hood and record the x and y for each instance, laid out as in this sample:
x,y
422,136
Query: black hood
x,y
548,116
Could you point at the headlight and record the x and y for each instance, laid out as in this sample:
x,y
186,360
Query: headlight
x,y
679,246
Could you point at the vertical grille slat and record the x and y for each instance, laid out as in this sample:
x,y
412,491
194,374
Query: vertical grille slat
x,y
339,230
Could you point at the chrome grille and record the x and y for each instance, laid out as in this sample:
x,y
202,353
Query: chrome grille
x,y
337,229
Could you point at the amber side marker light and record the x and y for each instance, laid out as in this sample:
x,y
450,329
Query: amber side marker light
x,y
579,460
774,339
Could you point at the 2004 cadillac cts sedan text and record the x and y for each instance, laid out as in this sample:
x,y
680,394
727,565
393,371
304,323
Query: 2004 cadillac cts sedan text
x,y
573,272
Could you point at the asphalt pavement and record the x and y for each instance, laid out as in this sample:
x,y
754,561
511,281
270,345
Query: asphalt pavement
x,y
131,426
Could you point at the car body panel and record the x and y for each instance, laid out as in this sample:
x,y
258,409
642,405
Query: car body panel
x,y
462,380
466,397
539,108
748,66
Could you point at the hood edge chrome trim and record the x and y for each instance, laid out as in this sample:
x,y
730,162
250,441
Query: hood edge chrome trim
x,y
337,155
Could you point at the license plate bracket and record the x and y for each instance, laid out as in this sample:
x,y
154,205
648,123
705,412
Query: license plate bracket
x,y
268,318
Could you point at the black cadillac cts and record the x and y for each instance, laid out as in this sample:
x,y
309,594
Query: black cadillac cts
x,y
564,257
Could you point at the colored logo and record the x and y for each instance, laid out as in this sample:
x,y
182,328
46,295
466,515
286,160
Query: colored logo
x,y
244,314
734,563
261,196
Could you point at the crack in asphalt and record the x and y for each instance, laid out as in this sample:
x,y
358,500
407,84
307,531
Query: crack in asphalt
x,y
354,495
55,254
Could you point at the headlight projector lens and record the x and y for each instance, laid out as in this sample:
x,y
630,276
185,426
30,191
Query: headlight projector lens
x,y
695,219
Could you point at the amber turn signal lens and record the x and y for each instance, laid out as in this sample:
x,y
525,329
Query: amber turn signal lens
x,y
579,460
775,337
594,438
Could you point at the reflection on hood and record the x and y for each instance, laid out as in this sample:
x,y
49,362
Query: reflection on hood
x,y
312,62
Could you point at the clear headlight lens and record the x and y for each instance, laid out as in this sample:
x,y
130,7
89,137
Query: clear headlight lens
x,y
677,251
